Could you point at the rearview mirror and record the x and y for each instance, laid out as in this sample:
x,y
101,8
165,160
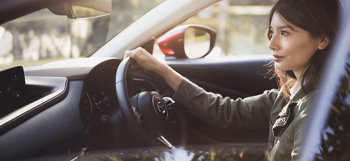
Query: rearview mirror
x,y
83,8
189,41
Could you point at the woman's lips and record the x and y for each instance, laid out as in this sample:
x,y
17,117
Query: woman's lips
x,y
277,58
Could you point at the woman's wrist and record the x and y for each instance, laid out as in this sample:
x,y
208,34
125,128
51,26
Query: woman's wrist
x,y
171,77
162,69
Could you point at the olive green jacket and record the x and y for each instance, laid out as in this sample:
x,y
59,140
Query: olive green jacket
x,y
268,111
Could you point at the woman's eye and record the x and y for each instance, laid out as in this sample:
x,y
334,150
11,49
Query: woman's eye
x,y
284,33
271,33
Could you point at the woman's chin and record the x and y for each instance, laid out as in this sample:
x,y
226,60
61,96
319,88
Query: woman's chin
x,y
280,66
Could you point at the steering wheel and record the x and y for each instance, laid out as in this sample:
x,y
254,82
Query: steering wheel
x,y
146,113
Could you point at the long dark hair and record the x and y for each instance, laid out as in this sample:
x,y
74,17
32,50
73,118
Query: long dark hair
x,y
320,19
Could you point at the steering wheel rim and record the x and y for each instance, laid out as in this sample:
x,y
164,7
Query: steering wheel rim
x,y
123,97
130,113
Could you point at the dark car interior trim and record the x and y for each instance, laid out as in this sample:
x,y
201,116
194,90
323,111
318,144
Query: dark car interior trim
x,y
42,92
39,135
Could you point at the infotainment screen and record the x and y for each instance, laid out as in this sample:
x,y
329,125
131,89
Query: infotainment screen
x,y
12,90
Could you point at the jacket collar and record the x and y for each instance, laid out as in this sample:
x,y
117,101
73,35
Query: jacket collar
x,y
302,93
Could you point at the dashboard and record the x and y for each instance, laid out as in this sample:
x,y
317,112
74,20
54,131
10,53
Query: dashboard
x,y
99,104
99,94
66,101
72,105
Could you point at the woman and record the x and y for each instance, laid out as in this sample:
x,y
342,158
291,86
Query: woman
x,y
300,34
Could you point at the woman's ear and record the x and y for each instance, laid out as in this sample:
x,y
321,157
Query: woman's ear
x,y
324,41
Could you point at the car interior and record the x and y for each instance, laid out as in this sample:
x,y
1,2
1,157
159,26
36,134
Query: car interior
x,y
92,104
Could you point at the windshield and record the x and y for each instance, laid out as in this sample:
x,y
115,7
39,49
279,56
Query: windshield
x,y
43,37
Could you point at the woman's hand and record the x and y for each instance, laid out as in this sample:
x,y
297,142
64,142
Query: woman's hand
x,y
149,62
144,59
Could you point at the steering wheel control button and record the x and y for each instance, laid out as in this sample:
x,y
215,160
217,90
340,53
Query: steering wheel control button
x,y
169,102
160,107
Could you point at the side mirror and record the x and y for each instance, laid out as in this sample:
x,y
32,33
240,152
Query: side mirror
x,y
83,8
189,41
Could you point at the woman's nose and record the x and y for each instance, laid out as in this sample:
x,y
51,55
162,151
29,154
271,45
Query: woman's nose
x,y
273,43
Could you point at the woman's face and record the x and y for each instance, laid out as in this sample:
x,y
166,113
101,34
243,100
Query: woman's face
x,y
292,47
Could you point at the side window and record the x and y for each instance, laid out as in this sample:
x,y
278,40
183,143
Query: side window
x,y
42,37
335,137
240,27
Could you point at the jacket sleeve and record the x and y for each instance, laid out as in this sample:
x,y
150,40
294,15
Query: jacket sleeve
x,y
250,113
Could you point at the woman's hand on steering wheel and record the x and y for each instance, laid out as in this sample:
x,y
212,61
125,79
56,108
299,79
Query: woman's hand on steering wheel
x,y
149,62
144,59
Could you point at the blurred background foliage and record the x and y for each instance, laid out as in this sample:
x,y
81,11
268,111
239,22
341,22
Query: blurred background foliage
x,y
42,37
